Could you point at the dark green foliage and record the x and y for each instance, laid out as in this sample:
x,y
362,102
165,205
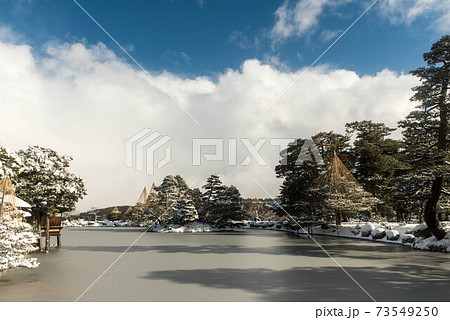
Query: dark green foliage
x,y
299,195
376,161
429,154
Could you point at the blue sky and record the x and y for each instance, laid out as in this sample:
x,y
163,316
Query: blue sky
x,y
191,38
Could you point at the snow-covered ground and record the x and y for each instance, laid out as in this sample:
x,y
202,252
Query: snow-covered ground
x,y
414,235
105,223
190,227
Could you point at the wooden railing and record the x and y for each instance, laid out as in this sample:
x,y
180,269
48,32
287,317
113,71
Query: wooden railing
x,y
54,222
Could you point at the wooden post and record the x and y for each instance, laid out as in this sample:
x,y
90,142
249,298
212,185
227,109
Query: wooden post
x,y
47,232
3,196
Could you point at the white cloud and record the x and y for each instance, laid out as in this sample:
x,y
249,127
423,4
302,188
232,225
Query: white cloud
x,y
304,17
406,11
85,101
296,21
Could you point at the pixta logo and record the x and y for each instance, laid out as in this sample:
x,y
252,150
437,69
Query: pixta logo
x,y
146,142
141,148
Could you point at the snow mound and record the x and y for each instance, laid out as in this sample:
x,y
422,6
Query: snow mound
x,y
392,235
367,229
408,238
378,233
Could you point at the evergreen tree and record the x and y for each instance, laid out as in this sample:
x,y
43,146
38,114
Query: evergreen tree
x,y
299,195
168,192
375,160
10,164
229,205
197,200
329,143
45,182
213,189
186,212
432,118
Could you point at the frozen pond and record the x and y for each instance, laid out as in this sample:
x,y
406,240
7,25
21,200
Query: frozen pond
x,y
244,265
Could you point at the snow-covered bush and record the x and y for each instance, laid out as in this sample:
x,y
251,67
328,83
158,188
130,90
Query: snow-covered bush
x,y
16,241
421,231
392,235
408,238
367,229
378,233
356,230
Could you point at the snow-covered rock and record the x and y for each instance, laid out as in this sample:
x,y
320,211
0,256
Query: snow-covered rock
x,y
356,230
367,229
378,233
408,238
392,235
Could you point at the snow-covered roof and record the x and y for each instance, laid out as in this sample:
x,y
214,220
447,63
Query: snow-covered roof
x,y
13,200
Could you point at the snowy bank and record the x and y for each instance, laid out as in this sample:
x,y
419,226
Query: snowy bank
x,y
414,235
190,227
79,223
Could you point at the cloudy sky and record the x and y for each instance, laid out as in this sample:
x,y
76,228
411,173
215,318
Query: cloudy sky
x,y
202,69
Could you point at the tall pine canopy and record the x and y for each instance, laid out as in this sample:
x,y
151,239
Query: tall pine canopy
x,y
426,131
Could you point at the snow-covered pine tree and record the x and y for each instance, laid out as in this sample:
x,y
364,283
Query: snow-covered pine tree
x,y
10,163
433,117
214,188
229,205
351,199
45,178
175,201
186,211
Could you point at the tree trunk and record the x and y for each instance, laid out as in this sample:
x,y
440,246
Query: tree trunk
x,y
430,215
430,209
47,232
338,217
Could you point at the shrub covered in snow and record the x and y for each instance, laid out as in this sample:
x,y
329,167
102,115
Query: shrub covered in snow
x,y
408,238
16,241
367,229
392,235
378,233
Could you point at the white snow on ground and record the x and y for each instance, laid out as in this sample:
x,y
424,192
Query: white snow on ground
x,y
406,234
105,223
190,227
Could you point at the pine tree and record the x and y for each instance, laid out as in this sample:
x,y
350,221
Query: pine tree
x,y
186,211
45,182
10,164
214,188
376,161
329,143
432,118
298,195
229,205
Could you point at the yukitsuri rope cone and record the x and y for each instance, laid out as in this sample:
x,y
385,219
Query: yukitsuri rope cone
x,y
344,191
17,238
